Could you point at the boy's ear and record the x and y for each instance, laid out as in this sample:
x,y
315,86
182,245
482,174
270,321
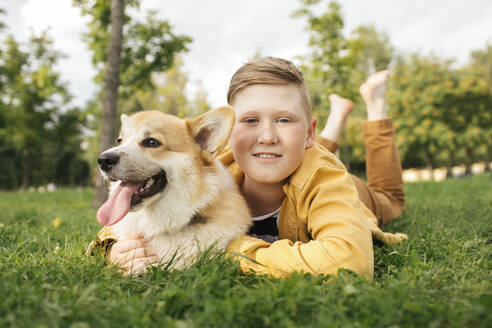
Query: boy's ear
x,y
311,133
212,129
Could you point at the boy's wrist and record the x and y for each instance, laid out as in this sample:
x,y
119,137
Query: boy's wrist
x,y
100,247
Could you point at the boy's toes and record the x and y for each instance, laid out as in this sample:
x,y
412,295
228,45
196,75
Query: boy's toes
x,y
379,77
340,103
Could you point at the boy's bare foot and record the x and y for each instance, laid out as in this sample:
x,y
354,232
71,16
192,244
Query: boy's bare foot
x,y
373,91
340,109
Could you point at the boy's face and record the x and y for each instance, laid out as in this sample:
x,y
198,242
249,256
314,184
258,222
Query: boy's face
x,y
271,132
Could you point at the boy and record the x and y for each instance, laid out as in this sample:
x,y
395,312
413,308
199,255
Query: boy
x,y
315,221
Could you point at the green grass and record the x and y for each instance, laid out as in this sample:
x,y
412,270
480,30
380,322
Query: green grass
x,y
440,277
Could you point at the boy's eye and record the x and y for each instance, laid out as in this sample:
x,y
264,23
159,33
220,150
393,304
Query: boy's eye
x,y
151,143
283,120
251,120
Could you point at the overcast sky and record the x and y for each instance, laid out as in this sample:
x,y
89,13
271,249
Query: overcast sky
x,y
227,32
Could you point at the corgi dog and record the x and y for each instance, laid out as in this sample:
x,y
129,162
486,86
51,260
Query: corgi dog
x,y
168,186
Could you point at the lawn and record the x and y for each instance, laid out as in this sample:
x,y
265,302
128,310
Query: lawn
x,y
440,277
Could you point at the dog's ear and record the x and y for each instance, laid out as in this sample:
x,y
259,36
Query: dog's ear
x,y
212,129
124,118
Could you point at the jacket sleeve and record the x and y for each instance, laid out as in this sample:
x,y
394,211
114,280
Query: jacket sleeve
x,y
329,209
102,243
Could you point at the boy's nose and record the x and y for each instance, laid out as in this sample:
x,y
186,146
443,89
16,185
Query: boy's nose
x,y
268,136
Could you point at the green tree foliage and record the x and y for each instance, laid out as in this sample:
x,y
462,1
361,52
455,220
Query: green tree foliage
x,y
481,63
199,103
481,66
473,112
40,132
168,95
149,46
419,99
328,67
340,64
137,49
371,51
440,114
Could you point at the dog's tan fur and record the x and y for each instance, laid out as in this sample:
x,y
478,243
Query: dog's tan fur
x,y
201,205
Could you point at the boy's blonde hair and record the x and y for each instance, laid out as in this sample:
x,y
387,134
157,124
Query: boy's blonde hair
x,y
270,71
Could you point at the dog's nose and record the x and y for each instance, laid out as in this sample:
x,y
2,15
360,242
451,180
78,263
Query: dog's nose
x,y
107,161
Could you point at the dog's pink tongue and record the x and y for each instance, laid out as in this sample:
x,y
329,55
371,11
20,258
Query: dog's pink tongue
x,y
117,205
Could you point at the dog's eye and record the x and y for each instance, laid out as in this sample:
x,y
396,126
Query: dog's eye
x,y
151,143
119,140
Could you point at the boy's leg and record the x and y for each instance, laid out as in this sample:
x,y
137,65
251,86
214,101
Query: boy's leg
x,y
383,167
340,109
383,194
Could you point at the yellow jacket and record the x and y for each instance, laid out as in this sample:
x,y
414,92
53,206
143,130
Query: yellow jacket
x,y
323,226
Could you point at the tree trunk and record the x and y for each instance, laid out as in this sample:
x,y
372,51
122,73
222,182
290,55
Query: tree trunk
x,y
487,157
469,161
429,159
25,169
451,163
108,129
13,176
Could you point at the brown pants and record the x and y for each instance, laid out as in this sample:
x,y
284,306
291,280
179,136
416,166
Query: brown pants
x,y
383,194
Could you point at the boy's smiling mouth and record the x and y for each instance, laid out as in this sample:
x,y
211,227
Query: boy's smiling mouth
x,y
267,155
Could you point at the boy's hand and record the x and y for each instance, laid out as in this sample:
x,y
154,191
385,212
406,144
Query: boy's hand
x,y
132,254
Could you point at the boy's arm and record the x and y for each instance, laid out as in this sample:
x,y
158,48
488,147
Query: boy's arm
x,y
341,237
